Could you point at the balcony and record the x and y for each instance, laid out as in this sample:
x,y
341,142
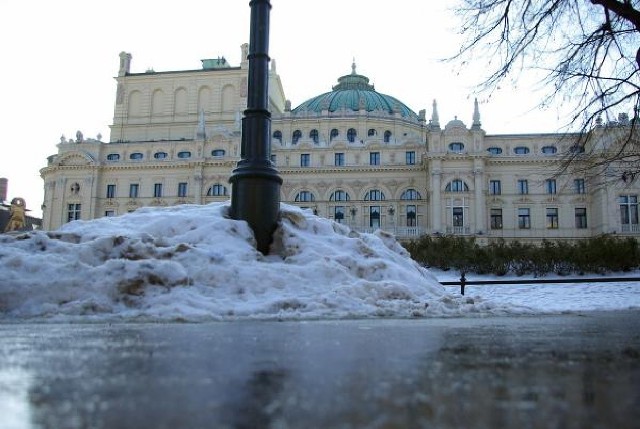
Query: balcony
x,y
458,230
629,228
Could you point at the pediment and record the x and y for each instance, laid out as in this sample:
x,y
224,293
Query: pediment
x,y
75,159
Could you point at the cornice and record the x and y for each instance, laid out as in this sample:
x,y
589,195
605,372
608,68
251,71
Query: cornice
x,y
350,169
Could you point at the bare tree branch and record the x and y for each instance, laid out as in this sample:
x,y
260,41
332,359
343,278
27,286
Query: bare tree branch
x,y
591,49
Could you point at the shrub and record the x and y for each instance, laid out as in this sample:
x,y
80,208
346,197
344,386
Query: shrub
x,y
597,255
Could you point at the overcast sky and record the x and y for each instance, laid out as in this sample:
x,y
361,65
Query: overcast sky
x,y
60,57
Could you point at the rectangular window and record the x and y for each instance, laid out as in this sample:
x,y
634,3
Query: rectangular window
x,y
495,187
182,189
458,217
339,159
111,191
73,212
133,190
274,159
109,213
374,158
524,218
157,190
305,160
338,214
412,219
410,157
496,218
579,187
374,216
523,187
581,217
628,209
552,218
550,184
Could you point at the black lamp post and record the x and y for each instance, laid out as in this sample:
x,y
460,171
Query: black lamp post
x,y
255,194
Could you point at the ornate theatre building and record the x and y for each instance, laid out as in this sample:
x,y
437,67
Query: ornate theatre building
x,y
352,154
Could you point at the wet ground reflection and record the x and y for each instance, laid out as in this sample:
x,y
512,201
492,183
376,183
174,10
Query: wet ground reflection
x,y
524,372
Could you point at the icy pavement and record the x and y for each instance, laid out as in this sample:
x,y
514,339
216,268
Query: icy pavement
x,y
568,371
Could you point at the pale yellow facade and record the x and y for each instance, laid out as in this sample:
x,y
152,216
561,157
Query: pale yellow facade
x,y
176,135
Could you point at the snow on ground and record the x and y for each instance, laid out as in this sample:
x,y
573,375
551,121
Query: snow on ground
x,y
193,263
552,297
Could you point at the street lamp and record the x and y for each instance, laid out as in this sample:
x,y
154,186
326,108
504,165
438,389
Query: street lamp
x,y
255,194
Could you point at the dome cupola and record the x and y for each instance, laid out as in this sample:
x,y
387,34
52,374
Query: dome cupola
x,y
354,92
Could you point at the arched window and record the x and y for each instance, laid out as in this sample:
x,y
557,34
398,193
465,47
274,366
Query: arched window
x,y
351,135
217,152
297,134
549,150
136,155
313,135
521,150
576,149
160,155
157,102
334,134
339,195
304,197
411,194
184,154
113,157
494,150
456,147
217,190
374,195
387,136
457,186
371,132
277,135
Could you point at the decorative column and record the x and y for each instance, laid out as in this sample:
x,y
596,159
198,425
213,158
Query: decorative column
x,y
480,205
436,197
255,194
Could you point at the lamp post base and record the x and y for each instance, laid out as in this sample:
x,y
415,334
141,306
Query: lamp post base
x,y
255,198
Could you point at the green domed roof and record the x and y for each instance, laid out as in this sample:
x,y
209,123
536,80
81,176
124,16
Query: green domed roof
x,y
353,92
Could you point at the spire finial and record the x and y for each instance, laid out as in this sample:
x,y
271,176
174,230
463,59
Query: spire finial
x,y
353,66
476,115
435,120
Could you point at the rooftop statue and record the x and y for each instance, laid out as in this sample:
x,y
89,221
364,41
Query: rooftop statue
x,y
17,219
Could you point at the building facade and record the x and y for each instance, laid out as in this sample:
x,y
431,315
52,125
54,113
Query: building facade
x,y
352,154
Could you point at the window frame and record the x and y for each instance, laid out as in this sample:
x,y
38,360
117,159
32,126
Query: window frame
x,y
495,216
111,191
374,158
157,190
410,157
553,217
495,187
134,190
352,135
580,214
183,189
295,137
524,218
523,186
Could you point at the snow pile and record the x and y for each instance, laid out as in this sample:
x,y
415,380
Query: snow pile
x,y
193,263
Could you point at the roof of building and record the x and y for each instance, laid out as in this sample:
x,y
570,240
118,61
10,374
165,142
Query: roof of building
x,y
353,92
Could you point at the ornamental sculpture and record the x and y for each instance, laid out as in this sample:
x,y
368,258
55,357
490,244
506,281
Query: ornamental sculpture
x,y
17,218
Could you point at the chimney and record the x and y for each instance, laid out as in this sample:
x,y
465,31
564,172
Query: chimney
x,y
3,189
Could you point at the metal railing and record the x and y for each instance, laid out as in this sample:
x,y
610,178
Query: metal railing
x,y
464,282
